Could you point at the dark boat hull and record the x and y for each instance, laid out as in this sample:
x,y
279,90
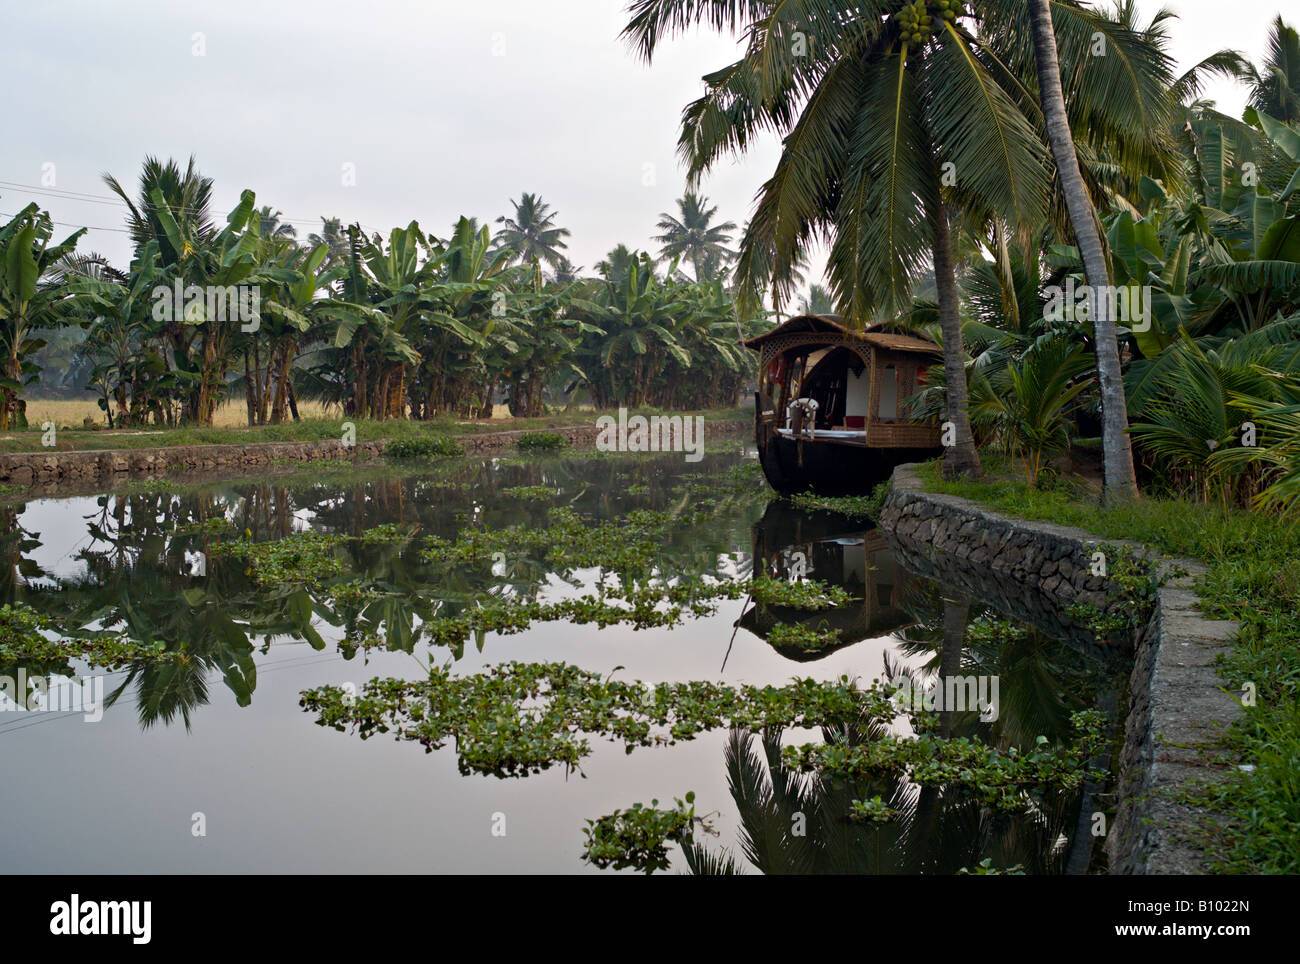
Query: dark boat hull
x,y
829,468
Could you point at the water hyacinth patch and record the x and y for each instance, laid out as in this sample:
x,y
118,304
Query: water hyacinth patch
x,y
387,533
632,542
296,559
637,838
808,595
798,636
530,493
23,639
999,778
515,719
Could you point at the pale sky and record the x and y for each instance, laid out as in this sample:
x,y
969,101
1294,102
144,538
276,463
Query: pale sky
x,y
443,107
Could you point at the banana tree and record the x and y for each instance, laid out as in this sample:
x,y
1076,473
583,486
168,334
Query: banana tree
x,y
471,322
125,347
288,306
636,312
29,299
203,329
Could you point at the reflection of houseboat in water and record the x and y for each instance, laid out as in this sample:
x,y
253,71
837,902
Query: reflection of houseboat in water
x,y
831,548
828,411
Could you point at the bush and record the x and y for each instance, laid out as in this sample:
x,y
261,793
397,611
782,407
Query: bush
x,y
541,441
423,448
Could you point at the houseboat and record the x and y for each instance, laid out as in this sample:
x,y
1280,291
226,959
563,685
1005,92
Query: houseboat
x,y
828,412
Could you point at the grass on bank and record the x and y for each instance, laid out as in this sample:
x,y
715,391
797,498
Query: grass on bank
x,y
1254,577
71,437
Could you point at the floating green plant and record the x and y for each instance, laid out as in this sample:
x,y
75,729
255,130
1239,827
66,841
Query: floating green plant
x,y
631,542
857,506
295,559
530,493
652,605
216,526
646,607
985,868
998,778
514,719
388,532
808,595
799,636
638,837
23,639
874,810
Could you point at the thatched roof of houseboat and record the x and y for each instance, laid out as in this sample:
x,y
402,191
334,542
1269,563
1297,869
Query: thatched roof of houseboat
x,y
876,334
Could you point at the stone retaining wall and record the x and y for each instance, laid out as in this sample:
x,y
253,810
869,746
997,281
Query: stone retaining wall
x,y
1177,706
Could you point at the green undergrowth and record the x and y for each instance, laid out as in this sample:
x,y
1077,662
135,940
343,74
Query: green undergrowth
x,y
1254,577
437,446
310,430
541,442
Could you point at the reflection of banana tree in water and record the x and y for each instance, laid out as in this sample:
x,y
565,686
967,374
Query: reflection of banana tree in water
x,y
15,542
137,577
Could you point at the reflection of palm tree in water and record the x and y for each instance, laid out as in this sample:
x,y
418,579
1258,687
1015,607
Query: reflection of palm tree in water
x,y
137,580
794,823
935,829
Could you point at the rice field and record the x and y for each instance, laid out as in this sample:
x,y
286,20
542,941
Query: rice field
x,y
73,412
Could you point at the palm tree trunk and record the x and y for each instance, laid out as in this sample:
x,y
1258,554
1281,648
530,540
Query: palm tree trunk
x,y
960,459
1117,450
250,391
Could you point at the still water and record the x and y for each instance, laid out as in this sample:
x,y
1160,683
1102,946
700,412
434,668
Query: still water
x,y
224,736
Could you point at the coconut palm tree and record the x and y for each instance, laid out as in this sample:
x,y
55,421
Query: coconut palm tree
x,y
877,114
694,237
1120,476
334,237
895,117
1275,89
272,226
565,272
817,301
531,235
186,195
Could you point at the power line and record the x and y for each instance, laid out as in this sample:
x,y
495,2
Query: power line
x,y
64,195
61,194
67,224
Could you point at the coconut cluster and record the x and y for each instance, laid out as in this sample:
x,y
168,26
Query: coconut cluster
x,y
916,22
